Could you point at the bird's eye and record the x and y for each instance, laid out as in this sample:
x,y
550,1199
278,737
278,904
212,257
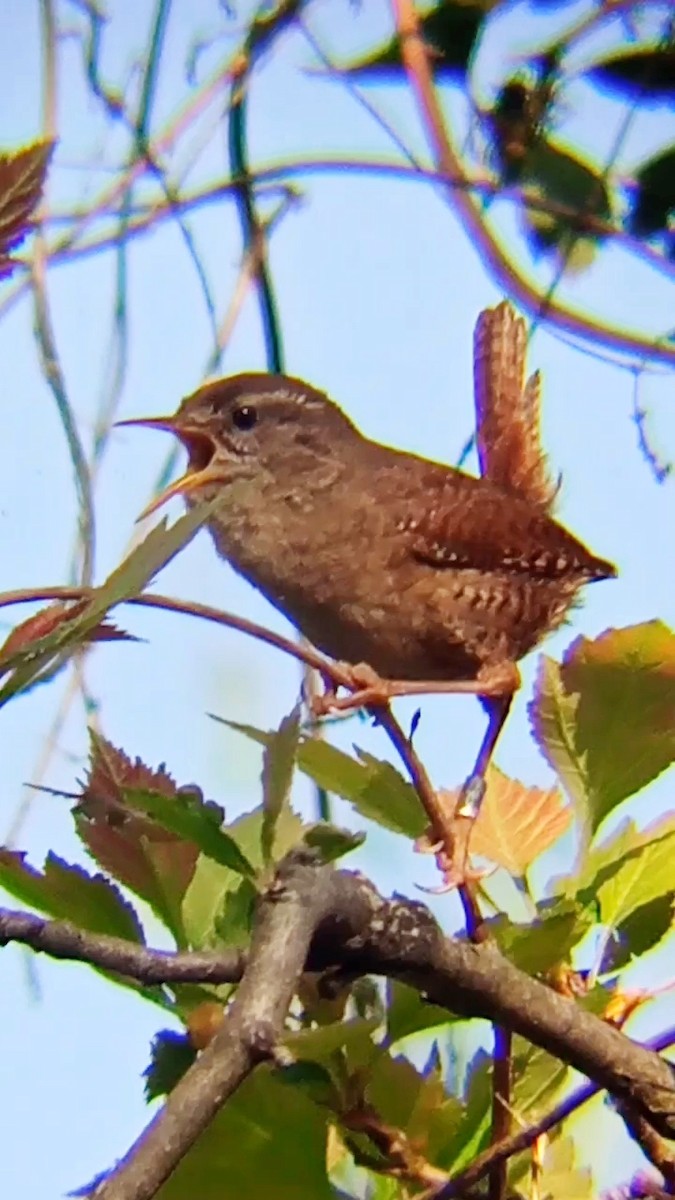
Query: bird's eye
x,y
244,417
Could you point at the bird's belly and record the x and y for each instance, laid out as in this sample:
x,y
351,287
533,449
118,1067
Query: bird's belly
x,y
406,623
446,632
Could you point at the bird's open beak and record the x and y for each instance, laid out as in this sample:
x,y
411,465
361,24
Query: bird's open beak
x,y
201,449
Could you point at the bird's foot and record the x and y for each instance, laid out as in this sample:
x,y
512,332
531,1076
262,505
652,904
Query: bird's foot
x,y
367,689
452,848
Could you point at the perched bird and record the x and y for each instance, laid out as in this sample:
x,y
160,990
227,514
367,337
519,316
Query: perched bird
x,y
437,580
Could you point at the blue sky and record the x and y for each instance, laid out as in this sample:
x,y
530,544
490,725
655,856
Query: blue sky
x,y
379,291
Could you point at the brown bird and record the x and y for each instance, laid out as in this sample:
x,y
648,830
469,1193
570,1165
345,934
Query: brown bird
x,y
437,580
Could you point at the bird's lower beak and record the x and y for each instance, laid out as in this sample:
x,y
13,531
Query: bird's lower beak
x,y
201,449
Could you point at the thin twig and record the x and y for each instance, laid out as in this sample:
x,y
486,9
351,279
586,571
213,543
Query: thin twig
x,y
501,1107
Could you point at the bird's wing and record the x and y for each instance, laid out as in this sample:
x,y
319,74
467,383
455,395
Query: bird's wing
x,y
468,523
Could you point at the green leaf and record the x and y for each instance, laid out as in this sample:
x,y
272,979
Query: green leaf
x,y
22,180
376,789
331,842
233,921
557,175
553,715
643,929
559,1176
538,1079
550,939
194,823
653,199
29,663
631,870
646,75
211,913
412,1101
450,31
409,1013
314,1080
171,1054
269,1140
279,758
469,1137
69,893
354,1037
604,719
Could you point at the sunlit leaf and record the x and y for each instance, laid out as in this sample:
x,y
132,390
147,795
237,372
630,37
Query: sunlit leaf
x,y
605,719
548,939
375,788
516,823
408,1012
631,870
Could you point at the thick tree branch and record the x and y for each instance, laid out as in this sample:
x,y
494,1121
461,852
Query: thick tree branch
x,y
319,918
301,899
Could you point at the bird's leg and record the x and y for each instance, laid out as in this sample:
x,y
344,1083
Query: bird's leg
x,y
454,866
371,690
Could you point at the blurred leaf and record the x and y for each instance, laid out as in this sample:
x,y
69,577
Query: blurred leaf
x,y
279,758
463,1142
331,842
170,1056
546,941
516,823
45,654
233,922
565,179
645,76
538,1079
22,180
653,198
375,788
605,719
631,870
408,1012
553,715
643,929
314,1080
69,893
558,1176
355,1037
269,1140
414,1102
450,31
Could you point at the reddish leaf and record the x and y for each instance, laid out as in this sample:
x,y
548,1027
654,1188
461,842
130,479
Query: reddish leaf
x,y
22,177
48,619
517,823
149,859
